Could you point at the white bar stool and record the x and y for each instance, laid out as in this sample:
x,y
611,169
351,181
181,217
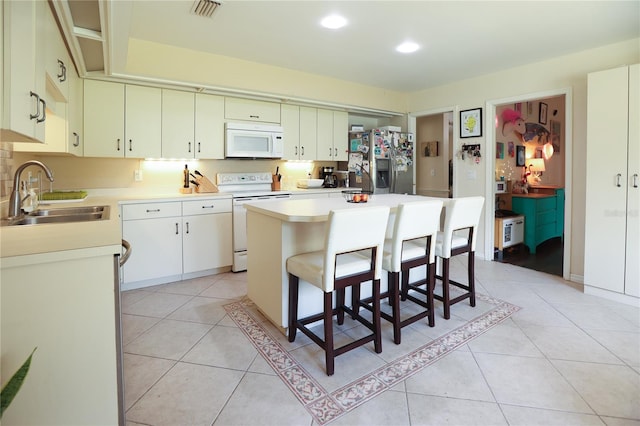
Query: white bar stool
x,y
461,214
354,241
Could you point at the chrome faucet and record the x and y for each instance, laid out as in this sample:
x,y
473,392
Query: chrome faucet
x,y
14,200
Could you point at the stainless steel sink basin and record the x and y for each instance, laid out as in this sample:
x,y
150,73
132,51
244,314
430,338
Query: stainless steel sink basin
x,y
62,215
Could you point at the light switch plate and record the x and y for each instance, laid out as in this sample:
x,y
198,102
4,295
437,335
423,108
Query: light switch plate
x,y
137,175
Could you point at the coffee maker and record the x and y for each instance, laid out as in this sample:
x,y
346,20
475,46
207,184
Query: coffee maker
x,y
330,180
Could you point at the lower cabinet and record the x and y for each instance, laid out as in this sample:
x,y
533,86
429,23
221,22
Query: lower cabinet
x,y
175,240
544,216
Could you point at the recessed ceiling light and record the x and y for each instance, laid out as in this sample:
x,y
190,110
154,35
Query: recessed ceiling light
x,y
408,47
333,22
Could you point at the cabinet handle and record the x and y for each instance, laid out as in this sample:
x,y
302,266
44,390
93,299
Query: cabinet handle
x,y
208,207
336,152
296,151
77,139
198,147
44,110
187,227
63,71
153,210
37,114
254,116
118,144
176,228
635,180
302,151
189,146
330,153
618,177
130,144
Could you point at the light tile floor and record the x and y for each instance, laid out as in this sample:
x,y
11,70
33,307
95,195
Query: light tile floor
x,y
565,358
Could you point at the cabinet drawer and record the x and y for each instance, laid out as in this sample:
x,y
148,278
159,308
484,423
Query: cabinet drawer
x,y
208,206
544,232
546,217
151,210
245,109
545,204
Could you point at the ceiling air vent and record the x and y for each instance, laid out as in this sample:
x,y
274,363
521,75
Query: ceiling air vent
x,y
205,7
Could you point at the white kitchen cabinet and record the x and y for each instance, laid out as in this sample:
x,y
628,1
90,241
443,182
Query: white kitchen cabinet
x,y
250,110
308,133
75,136
24,88
122,120
612,223
154,231
332,135
176,240
290,122
206,235
192,125
57,62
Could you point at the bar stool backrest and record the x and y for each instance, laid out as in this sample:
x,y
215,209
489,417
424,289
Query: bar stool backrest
x,y
350,230
460,213
414,220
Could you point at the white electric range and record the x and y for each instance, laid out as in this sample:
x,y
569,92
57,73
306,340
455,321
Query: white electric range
x,y
245,188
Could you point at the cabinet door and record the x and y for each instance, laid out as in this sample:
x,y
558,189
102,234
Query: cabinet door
x,y
605,224
340,136
290,121
143,122
308,133
206,242
324,151
209,127
75,139
178,114
57,63
156,248
103,119
250,110
22,67
632,277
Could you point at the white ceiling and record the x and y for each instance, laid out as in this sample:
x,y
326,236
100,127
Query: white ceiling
x,y
459,39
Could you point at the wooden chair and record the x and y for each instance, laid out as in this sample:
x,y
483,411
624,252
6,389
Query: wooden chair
x,y
353,247
461,215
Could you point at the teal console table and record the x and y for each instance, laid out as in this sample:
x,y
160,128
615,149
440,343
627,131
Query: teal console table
x,y
543,212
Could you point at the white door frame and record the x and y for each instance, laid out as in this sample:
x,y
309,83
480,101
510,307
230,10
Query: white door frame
x,y
490,109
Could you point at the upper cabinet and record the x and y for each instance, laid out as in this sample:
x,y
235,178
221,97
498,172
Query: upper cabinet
x,y
192,125
290,121
333,127
122,120
24,99
57,62
250,110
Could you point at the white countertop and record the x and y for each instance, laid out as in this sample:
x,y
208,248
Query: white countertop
x,y
317,210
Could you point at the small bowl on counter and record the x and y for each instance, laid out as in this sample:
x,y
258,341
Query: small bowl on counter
x,y
357,196
309,183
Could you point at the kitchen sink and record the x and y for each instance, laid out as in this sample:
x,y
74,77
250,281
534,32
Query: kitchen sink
x,y
62,215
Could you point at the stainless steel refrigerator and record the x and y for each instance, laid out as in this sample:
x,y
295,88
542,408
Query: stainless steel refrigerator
x,y
382,160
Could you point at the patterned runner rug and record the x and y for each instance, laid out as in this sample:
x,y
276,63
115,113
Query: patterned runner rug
x,y
325,402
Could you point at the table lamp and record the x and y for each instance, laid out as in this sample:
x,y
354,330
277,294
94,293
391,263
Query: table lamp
x,y
536,167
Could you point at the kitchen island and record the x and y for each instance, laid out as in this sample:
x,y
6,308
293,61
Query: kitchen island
x,y
277,230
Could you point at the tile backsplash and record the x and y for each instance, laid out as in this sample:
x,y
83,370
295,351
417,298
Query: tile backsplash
x,y
6,169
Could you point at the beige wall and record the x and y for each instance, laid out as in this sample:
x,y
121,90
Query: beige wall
x,y
432,176
565,72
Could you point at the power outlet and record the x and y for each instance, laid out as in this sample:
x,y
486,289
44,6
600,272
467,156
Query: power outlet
x,y
137,175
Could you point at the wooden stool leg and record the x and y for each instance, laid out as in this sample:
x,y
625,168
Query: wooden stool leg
x,y
472,281
445,288
355,300
376,317
405,286
328,333
293,306
394,298
339,305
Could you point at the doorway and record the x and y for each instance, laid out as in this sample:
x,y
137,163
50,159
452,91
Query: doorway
x,y
543,137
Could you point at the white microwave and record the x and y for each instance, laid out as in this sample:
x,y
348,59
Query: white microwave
x,y
247,140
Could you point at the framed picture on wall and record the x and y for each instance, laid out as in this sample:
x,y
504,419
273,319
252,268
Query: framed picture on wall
x,y
429,149
520,156
471,123
556,132
542,113
499,150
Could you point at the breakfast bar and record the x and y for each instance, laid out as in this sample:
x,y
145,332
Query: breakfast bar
x,y
277,230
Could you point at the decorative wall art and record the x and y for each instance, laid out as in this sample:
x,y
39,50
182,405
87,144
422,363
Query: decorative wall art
x,y
511,149
429,149
471,123
499,150
556,132
542,113
520,156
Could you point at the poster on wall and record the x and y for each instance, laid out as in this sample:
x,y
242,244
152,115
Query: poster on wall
x,y
520,156
471,123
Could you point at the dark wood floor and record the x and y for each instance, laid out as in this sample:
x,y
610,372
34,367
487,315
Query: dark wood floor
x,y
548,256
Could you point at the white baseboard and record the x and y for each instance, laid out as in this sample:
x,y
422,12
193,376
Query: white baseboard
x,y
612,295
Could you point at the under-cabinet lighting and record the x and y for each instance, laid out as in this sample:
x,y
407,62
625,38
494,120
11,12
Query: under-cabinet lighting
x,y
408,47
333,22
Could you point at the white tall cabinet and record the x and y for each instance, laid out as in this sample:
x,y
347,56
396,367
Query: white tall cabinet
x,y
612,220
